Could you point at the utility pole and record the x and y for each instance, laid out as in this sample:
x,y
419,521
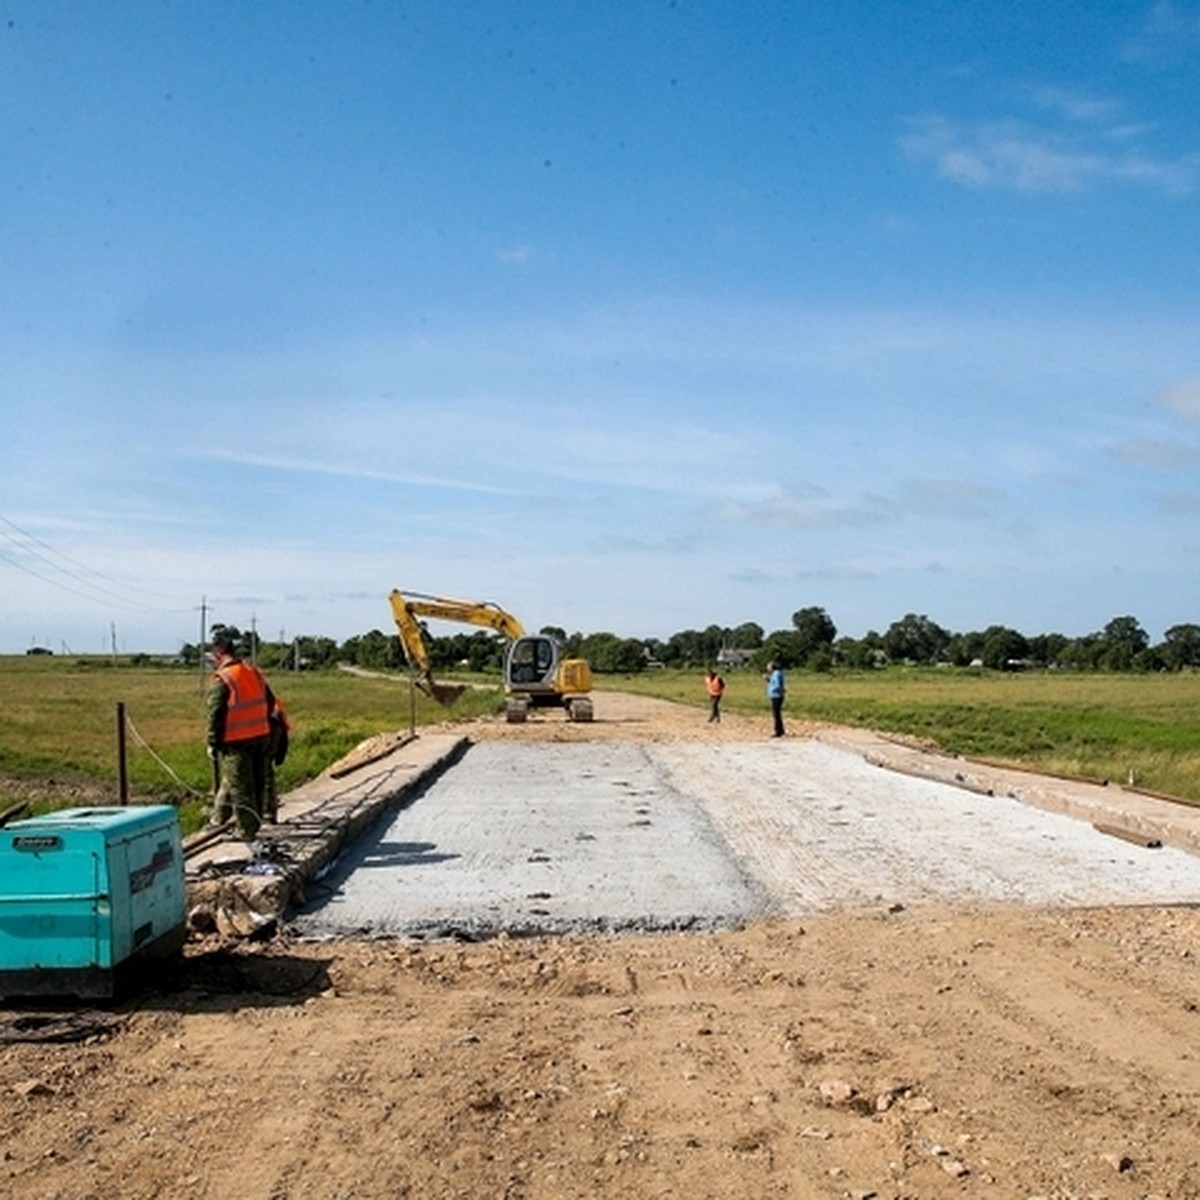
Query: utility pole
x,y
112,634
203,636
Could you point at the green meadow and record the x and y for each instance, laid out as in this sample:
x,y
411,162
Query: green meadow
x,y
58,721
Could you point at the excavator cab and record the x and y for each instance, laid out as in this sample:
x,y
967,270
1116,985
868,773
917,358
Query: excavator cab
x,y
537,676
530,661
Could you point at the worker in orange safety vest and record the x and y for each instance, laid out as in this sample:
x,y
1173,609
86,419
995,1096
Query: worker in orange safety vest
x,y
716,689
240,703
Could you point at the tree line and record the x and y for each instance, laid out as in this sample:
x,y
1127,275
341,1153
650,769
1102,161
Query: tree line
x,y
811,642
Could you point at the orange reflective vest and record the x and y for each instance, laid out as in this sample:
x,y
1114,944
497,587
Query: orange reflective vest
x,y
246,708
716,685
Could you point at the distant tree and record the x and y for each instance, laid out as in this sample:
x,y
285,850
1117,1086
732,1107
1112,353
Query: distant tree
x,y
915,639
965,648
784,646
852,653
688,648
554,631
1002,646
1083,653
1180,647
747,636
815,633
611,654
317,652
375,649
1123,640
1047,648
480,650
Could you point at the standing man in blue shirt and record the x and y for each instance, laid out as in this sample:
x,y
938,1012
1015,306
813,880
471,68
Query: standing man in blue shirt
x,y
776,691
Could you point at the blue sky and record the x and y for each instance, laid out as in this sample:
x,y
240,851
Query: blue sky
x,y
635,316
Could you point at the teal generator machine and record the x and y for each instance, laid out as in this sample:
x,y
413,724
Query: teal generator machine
x,y
87,894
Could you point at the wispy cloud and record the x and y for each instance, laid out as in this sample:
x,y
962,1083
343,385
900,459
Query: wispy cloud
x,y
313,467
809,507
1074,105
1084,146
806,507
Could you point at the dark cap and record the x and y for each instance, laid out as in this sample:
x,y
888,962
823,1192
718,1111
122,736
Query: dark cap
x,y
222,642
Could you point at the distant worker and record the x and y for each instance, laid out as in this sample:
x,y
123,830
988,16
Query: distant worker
x,y
716,689
238,735
776,691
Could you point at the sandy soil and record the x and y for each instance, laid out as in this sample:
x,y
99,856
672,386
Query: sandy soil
x,y
1000,1052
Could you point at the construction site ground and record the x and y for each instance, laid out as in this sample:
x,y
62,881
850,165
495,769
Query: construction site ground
x,y
827,966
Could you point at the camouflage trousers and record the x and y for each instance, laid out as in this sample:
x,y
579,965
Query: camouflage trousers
x,y
242,791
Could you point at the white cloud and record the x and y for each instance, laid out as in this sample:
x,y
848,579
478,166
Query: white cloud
x,y
805,507
1012,155
1076,106
346,471
813,508
998,154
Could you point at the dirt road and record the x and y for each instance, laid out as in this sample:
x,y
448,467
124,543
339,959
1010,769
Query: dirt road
x,y
919,1051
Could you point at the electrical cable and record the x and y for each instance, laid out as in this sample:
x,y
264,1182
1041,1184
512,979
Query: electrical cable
x,y
75,575
165,766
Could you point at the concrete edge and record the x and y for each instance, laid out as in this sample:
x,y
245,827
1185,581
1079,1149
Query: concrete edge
x,y
1117,810
237,889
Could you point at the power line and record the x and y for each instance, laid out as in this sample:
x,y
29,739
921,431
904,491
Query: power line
x,y
123,601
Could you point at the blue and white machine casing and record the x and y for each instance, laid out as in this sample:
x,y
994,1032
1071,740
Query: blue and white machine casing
x,y
84,892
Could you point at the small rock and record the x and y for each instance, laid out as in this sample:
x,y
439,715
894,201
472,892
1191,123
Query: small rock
x,y
1119,1162
33,1087
837,1092
814,1131
953,1167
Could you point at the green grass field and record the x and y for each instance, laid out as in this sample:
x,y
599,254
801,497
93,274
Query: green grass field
x,y
58,721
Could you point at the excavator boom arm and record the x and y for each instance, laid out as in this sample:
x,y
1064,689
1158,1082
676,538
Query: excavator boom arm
x,y
407,607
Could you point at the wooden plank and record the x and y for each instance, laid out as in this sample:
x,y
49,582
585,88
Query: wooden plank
x,y
1146,841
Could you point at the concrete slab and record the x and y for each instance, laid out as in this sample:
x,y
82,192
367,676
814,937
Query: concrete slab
x,y
555,837
545,837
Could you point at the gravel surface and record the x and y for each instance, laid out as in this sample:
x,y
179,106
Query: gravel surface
x,y
560,837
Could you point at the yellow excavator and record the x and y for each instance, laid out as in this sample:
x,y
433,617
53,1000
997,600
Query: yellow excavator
x,y
535,673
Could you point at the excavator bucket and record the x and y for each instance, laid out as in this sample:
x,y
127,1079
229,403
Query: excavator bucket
x,y
447,693
444,693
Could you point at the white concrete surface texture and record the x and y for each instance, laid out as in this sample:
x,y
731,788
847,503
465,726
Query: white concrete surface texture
x,y
557,837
